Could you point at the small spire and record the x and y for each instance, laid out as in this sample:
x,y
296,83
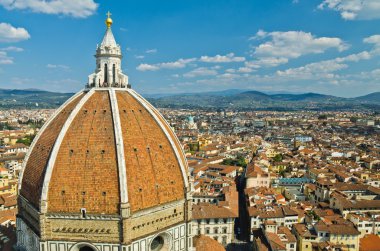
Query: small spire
x,y
108,20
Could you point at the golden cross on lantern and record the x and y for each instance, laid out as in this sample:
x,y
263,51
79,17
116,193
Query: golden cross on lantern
x,y
109,20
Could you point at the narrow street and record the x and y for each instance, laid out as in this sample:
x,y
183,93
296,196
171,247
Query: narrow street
x,y
242,225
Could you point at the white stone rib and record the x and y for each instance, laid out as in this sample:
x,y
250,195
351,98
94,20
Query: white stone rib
x,y
119,147
149,108
59,110
57,145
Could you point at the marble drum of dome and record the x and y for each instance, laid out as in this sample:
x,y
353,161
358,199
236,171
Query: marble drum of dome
x,y
106,172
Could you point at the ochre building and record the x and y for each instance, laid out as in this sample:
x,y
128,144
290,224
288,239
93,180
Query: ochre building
x,y
106,172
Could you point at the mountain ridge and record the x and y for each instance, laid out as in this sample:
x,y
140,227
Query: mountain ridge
x,y
230,98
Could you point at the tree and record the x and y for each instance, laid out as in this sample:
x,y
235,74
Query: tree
x,y
239,161
278,158
353,119
27,140
6,126
322,117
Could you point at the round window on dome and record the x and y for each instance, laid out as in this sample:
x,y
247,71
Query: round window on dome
x,y
157,243
86,248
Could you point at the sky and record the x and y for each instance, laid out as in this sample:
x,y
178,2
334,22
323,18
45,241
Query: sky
x,y
176,46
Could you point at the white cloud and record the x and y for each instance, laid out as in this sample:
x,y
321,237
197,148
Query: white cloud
x,y
180,63
354,9
139,56
10,34
245,70
364,55
201,71
12,49
294,44
147,67
57,66
230,57
280,47
375,41
74,8
316,70
5,59
150,51
322,69
266,62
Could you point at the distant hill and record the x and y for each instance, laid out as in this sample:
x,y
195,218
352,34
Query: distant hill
x,y
258,100
224,93
251,95
306,97
31,98
372,97
228,99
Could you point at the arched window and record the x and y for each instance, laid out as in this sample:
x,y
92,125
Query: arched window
x,y
224,240
216,230
105,73
113,74
86,248
157,243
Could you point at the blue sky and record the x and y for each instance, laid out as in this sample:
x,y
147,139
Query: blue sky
x,y
174,46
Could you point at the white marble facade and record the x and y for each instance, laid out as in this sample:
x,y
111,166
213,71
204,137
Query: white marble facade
x,y
174,239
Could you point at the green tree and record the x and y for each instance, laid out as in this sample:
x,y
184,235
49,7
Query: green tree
x,y
278,158
353,119
27,140
322,117
239,161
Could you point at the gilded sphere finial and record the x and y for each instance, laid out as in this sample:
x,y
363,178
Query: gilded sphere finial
x,y
109,20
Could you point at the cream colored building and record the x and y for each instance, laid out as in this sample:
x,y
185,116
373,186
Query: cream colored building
x,y
343,236
214,221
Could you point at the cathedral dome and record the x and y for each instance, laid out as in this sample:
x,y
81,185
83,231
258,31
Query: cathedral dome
x,y
104,147
105,172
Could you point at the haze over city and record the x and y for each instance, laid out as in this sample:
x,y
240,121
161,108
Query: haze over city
x,y
297,46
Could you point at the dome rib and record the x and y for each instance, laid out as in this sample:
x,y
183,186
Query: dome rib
x,y
56,148
153,170
87,159
119,148
36,159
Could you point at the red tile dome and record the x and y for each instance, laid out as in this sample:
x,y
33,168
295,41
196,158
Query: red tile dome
x,y
102,148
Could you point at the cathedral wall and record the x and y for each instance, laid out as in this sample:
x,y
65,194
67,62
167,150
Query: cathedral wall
x,y
152,220
26,238
177,238
29,214
92,229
